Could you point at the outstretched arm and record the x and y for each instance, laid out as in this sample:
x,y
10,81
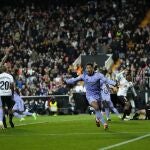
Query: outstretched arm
x,y
103,79
74,80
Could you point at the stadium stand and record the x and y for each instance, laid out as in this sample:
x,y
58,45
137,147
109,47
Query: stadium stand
x,y
49,36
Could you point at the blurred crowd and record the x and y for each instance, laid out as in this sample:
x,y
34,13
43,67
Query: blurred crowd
x,y
48,37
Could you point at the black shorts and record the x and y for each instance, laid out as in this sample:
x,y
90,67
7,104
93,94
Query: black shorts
x,y
7,101
122,100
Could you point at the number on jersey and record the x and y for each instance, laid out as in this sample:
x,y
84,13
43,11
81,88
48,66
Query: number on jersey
x,y
4,85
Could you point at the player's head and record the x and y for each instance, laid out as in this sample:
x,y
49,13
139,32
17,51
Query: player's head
x,y
128,77
3,69
89,68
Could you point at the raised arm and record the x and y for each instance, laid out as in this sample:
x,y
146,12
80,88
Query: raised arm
x,y
74,80
3,59
6,55
103,79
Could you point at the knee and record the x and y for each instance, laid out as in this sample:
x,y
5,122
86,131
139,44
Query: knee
x,y
95,105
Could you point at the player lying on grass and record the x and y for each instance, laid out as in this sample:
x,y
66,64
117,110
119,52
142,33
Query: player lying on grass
x,y
19,108
92,81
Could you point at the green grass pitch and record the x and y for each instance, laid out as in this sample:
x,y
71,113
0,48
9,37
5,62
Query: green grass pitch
x,y
76,132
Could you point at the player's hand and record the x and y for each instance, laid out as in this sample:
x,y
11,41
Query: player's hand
x,y
64,81
8,49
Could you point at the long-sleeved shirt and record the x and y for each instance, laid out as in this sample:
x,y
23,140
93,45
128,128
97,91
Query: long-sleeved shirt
x,y
123,87
92,83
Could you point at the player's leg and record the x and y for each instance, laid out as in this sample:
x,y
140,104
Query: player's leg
x,y
10,103
4,120
123,102
125,110
136,115
139,112
99,116
107,110
142,113
17,115
26,113
111,106
19,109
3,107
15,111
129,108
1,116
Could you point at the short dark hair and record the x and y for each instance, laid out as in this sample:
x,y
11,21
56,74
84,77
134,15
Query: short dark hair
x,y
89,64
3,69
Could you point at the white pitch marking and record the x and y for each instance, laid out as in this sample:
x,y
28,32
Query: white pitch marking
x,y
125,142
63,134
25,124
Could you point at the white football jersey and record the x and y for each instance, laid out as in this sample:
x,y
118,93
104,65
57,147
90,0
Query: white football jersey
x,y
123,87
5,81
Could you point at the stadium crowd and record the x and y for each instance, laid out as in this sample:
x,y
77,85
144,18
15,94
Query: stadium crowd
x,y
48,37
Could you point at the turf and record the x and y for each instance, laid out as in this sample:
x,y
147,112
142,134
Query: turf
x,y
76,132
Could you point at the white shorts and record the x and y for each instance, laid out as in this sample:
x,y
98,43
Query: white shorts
x,y
92,99
19,106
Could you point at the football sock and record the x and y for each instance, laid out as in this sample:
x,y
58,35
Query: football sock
x,y
115,111
99,116
107,112
27,113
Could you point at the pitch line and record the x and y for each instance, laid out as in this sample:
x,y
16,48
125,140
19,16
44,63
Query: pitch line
x,y
125,142
61,134
42,122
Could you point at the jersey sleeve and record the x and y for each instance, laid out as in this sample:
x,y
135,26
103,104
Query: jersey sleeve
x,y
74,80
103,80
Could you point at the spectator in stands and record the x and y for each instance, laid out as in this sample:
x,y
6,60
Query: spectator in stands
x,y
47,106
47,40
53,106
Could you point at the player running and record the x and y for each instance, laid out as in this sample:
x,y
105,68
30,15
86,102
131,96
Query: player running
x,y
124,85
106,101
92,82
